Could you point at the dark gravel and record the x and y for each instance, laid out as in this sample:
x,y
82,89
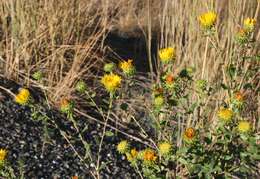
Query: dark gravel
x,y
37,149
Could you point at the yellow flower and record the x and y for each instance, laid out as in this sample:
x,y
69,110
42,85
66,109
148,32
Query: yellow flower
x,y
225,114
111,82
127,67
158,101
132,155
3,154
242,36
208,20
149,155
167,54
239,96
249,24
189,135
66,105
243,126
23,96
122,147
165,148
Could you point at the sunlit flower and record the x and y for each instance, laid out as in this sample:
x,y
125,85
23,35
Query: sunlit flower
x,y
165,148
132,155
127,67
167,54
208,20
158,101
225,114
66,105
109,67
23,96
123,147
244,126
81,86
239,96
242,36
149,155
189,135
111,82
3,154
249,24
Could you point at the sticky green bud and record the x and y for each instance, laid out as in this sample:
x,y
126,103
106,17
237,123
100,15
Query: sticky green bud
x,y
81,86
37,75
109,67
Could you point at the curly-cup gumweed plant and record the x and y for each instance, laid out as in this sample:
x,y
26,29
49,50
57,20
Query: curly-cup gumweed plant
x,y
222,142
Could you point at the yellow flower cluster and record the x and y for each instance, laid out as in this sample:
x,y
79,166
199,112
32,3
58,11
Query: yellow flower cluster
x,y
127,67
165,148
111,82
244,126
167,54
22,97
225,114
208,20
3,154
249,24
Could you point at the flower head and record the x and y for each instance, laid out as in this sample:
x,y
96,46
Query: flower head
x,y
167,54
111,82
208,20
189,135
225,114
81,86
23,96
3,154
244,126
37,75
249,24
132,155
158,101
242,36
109,67
149,155
123,147
66,105
127,67
165,148
239,96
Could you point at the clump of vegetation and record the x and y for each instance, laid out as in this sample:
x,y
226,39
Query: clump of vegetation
x,y
194,116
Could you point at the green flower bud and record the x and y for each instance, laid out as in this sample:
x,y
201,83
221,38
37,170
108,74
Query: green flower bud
x,y
81,86
37,75
109,67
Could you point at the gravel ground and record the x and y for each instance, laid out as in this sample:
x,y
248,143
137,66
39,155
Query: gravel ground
x,y
37,149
